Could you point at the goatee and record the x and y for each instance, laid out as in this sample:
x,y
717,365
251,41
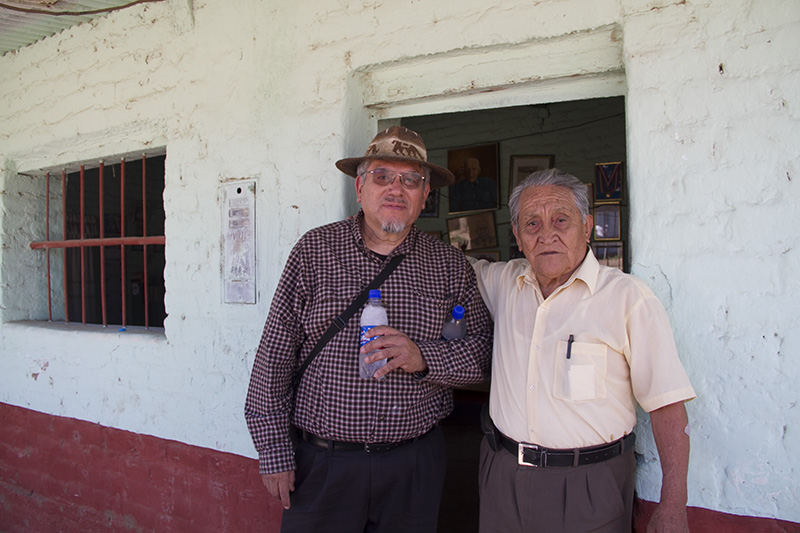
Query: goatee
x,y
393,227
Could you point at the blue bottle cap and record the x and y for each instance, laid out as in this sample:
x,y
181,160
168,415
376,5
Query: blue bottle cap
x,y
458,312
374,293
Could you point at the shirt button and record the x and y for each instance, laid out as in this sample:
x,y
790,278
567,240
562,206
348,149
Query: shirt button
x,y
531,387
382,417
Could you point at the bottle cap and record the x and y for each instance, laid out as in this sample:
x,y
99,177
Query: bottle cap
x,y
374,293
458,312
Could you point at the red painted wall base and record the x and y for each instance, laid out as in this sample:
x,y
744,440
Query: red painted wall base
x,y
61,474
67,475
707,521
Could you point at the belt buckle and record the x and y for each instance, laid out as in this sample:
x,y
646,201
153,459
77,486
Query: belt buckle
x,y
522,447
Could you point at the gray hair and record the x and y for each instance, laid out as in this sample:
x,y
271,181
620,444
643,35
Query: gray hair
x,y
364,165
551,176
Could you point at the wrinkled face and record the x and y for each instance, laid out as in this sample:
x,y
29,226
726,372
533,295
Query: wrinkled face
x,y
550,232
390,208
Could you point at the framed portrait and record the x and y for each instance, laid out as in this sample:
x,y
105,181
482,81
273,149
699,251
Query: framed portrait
x,y
608,253
607,222
492,257
608,182
431,208
523,165
477,187
472,231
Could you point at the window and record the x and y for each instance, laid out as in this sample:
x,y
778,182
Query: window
x,y
105,243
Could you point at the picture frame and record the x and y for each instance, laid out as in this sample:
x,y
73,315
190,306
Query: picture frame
x,y
607,222
491,256
609,253
608,179
523,165
473,232
431,208
477,187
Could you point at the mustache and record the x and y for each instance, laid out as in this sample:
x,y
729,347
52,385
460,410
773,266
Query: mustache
x,y
395,200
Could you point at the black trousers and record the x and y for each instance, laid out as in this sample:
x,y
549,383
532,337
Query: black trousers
x,y
354,491
516,499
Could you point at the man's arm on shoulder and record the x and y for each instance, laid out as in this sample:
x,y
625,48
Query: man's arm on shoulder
x,y
671,432
481,267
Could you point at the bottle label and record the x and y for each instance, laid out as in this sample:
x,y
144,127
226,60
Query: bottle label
x,y
365,338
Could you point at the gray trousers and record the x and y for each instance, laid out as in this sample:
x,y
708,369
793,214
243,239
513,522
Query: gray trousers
x,y
516,499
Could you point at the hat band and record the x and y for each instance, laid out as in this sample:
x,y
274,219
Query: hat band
x,y
397,148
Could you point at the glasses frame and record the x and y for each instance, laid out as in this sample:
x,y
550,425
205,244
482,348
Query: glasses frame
x,y
394,174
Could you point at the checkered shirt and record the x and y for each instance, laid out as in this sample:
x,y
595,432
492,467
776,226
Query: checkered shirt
x,y
326,270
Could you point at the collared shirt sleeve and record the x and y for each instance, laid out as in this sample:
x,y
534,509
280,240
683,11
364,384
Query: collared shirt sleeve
x,y
657,375
270,394
464,361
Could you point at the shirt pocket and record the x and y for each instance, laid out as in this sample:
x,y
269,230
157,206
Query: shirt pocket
x,y
426,315
326,305
582,377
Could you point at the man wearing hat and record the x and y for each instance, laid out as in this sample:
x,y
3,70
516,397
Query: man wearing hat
x,y
344,453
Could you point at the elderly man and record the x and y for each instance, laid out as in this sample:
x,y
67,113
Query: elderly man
x,y
368,455
576,344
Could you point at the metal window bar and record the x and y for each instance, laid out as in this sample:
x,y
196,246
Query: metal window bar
x,y
83,250
64,237
122,248
47,252
83,243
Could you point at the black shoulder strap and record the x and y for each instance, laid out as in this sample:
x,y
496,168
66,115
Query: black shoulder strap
x,y
340,321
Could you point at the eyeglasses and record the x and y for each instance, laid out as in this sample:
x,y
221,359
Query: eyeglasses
x,y
385,177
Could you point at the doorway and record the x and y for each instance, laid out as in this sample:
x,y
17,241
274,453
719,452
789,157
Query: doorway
x,y
573,136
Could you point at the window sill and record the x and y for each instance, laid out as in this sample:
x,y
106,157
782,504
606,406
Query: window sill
x,y
139,332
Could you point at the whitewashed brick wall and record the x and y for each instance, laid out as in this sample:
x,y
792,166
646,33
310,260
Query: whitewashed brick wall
x,y
275,91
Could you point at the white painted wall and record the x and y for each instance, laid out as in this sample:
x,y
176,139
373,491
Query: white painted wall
x,y
276,92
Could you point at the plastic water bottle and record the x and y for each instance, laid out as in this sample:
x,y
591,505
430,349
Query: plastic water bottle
x,y
374,314
455,327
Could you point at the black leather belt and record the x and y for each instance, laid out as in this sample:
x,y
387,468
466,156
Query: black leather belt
x,y
537,456
339,445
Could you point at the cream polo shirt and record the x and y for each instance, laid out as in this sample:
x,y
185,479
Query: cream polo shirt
x,y
623,350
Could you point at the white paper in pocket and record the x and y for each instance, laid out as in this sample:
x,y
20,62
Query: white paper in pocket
x,y
581,382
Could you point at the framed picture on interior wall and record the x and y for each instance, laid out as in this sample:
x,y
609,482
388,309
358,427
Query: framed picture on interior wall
x,y
606,222
608,253
608,181
523,165
431,208
477,187
492,257
472,231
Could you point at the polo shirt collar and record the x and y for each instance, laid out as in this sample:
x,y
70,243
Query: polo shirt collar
x,y
587,271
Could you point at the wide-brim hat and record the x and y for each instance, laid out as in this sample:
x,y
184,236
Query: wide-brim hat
x,y
398,144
